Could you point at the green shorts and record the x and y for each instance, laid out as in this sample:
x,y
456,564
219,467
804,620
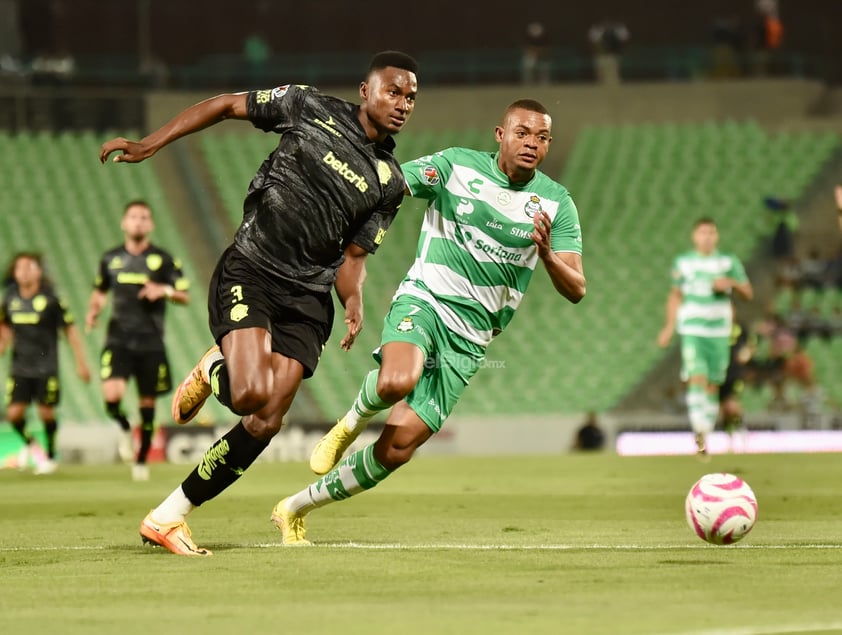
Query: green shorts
x,y
450,360
708,356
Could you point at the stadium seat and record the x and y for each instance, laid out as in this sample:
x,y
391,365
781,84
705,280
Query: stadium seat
x,y
68,206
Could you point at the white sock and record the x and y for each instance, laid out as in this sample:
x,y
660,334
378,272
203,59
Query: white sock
x,y
210,360
174,509
697,409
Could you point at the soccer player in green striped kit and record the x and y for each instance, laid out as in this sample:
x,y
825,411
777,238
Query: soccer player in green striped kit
x,y
704,282
492,217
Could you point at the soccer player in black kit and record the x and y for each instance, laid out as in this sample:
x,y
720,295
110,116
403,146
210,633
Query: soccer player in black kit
x,y
31,316
319,204
142,278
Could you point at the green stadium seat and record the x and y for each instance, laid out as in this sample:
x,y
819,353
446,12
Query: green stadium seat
x,y
68,206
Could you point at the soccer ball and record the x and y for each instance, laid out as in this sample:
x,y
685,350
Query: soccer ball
x,y
721,508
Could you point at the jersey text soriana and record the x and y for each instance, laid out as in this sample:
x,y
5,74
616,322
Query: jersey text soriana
x,y
475,255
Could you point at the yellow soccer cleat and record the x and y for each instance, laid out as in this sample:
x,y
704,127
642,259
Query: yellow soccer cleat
x,y
172,536
331,447
193,391
291,526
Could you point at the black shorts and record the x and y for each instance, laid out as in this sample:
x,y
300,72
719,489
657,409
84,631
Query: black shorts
x,y
42,390
733,385
241,295
151,369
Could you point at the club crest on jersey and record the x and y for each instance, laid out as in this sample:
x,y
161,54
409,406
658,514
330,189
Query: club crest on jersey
x,y
504,198
239,312
431,175
406,325
154,262
39,303
384,172
533,206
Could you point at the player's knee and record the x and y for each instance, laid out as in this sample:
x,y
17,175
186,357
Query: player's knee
x,y
250,396
394,386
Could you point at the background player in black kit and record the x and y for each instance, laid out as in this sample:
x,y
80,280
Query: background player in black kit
x,y
142,278
31,316
318,205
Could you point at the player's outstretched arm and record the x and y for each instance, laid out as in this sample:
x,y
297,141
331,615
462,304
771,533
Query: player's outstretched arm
x,y
197,117
837,194
671,312
78,353
349,289
95,306
5,337
564,268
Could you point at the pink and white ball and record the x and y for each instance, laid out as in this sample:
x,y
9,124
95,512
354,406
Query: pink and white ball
x,y
721,508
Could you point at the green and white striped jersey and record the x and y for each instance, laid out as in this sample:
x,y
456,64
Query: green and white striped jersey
x,y
704,312
475,257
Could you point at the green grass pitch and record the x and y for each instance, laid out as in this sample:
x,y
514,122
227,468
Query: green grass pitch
x,y
542,544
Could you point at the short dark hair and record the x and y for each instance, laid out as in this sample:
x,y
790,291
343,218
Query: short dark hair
x,y
393,58
704,220
137,201
527,104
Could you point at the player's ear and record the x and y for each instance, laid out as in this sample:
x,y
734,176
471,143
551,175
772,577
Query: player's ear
x,y
364,91
498,133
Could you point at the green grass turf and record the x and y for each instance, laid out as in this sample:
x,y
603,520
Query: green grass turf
x,y
556,544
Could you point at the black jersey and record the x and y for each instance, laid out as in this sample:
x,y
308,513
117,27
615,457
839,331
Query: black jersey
x,y
325,186
137,324
35,323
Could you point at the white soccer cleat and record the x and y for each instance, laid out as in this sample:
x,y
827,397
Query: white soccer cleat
x,y
125,446
140,473
48,466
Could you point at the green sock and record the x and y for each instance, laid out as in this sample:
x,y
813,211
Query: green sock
x,y
367,404
357,473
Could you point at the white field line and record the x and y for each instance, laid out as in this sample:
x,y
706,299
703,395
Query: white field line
x,y
454,547
781,629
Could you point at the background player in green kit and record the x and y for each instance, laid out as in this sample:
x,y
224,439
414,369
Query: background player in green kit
x,y
32,315
492,217
142,278
699,307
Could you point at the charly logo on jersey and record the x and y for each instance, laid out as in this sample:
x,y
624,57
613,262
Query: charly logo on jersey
x,y
115,263
239,312
154,262
464,207
532,206
341,168
430,174
39,303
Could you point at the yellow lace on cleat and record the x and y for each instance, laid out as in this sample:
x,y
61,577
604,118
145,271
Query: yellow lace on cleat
x,y
172,536
193,391
331,447
291,526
